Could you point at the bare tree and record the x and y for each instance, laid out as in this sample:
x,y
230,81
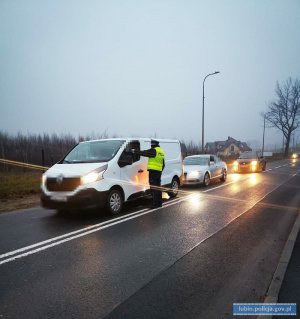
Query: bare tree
x,y
284,112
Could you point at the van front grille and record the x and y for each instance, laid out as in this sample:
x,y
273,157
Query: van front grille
x,y
65,184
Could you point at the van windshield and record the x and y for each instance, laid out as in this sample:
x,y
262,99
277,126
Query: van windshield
x,y
93,152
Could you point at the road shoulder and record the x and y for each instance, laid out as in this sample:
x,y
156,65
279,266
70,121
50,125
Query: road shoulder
x,y
19,202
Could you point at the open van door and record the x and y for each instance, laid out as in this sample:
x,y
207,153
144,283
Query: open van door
x,y
173,170
133,171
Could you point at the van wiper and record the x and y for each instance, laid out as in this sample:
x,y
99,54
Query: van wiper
x,y
82,162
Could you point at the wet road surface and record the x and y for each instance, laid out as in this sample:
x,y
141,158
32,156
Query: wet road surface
x,y
192,258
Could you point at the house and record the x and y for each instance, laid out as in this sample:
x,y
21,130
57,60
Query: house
x,y
230,147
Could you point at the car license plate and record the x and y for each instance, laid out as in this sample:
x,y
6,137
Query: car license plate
x,y
59,198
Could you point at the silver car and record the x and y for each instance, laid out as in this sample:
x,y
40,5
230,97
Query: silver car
x,y
201,169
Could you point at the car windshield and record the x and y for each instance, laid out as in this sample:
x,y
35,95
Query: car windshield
x,y
196,161
93,152
248,155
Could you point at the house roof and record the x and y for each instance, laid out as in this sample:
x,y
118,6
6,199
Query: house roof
x,y
220,146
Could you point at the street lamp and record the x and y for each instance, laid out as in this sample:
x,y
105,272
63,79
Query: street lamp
x,y
216,72
263,144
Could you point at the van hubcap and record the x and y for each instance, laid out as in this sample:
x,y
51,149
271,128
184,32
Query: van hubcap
x,y
174,187
115,202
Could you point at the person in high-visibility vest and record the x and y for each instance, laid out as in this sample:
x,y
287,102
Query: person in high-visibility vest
x,y
156,164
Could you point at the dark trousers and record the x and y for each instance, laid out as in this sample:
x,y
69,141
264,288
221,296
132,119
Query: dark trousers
x,y
154,181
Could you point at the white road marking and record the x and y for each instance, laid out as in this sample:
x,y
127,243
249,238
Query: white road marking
x,y
80,233
29,250
65,235
220,186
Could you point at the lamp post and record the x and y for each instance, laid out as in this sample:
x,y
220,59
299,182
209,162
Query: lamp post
x,y
263,143
216,72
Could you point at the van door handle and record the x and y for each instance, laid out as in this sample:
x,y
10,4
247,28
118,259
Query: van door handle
x,y
140,171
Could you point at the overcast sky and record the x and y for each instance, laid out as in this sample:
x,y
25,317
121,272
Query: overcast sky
x,y
136,67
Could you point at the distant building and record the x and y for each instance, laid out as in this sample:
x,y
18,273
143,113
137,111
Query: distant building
x,y
230,147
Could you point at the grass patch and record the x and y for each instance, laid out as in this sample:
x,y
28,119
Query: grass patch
x,y
19,183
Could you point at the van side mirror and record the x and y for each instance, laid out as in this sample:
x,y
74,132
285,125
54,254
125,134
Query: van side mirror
x,y
126,158
128,149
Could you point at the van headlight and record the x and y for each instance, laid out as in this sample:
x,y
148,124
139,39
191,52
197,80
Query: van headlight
x,y
92,177
44,179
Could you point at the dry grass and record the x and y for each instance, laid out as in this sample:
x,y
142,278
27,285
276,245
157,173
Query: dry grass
x,y
19,183
19,190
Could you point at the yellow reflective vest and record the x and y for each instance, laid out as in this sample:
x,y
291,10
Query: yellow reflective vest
x,y
156,163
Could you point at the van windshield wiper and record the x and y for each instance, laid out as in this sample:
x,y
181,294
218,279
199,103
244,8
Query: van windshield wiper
x,y
66,162
83,162
72,162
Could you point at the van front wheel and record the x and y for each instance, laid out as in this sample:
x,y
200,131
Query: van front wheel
x,y
174,187
114,201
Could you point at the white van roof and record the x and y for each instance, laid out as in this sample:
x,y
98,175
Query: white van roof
x,y
127,139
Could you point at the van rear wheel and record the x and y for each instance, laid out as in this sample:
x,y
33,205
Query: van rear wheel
x,y
174,187
114,202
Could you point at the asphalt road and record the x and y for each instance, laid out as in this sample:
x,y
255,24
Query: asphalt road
x,y
193,258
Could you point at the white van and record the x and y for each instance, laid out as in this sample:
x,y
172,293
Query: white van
x,y
105,173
